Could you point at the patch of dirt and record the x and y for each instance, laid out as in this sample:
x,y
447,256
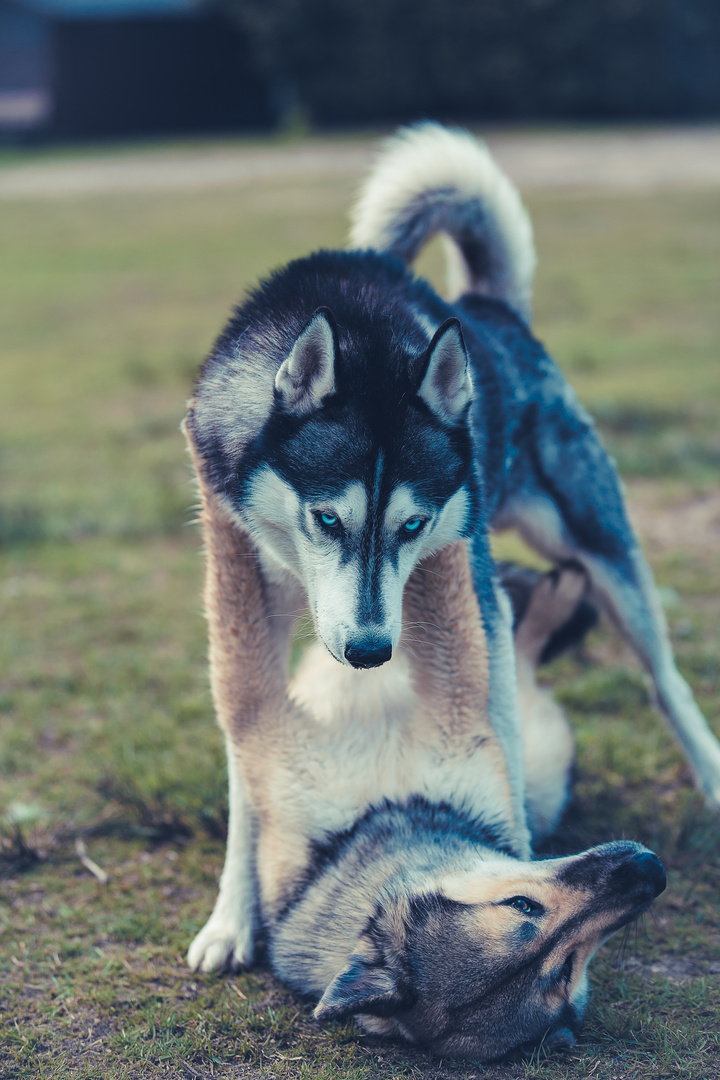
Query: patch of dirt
x,y
686,523
677,969
621,159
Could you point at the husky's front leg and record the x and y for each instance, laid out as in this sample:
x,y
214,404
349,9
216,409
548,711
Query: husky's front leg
x,y
227,939
503,708
452,666
249,678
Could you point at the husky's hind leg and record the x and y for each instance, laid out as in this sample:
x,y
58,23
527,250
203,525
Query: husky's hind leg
x,y
573,509
628,594
549,604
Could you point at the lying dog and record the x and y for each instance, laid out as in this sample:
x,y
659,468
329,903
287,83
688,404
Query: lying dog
x,y
382,819
353,423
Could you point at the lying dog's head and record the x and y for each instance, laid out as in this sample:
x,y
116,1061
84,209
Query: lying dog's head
x,y
344,448
494,960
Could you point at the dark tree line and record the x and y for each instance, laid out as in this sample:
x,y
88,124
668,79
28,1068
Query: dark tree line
x,y
347,61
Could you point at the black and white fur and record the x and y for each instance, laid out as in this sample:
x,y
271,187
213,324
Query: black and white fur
x,y
353,422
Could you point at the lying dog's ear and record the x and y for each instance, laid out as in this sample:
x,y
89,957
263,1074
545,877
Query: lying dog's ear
x,y
308,374
364,987
446,387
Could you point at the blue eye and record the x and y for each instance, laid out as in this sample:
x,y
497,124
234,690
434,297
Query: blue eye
x,y
327,520
413,526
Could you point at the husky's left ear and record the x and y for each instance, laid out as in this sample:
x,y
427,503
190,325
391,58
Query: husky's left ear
x,y
308,374
364,987
447,387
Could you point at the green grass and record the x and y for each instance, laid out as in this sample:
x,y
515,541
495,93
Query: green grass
x,y
106,728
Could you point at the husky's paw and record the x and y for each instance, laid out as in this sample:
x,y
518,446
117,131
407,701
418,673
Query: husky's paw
x,y
707,774
222,945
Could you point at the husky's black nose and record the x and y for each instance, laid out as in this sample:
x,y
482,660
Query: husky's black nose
x,y
652,871
368,655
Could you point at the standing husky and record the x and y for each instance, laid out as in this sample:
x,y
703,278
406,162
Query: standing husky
x,y
383,823
353,423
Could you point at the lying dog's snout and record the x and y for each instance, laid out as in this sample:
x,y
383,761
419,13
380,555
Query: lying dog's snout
x,y
640,877
651,870
624,870
368,654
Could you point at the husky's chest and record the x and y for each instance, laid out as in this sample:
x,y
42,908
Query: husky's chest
x,y
365,740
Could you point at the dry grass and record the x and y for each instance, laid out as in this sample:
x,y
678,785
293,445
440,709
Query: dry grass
x,y
106,730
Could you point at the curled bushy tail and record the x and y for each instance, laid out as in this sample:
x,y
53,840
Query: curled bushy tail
x,y
431,179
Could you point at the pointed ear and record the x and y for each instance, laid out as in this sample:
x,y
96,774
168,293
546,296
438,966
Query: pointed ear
x,y
363,987
447,387
308,374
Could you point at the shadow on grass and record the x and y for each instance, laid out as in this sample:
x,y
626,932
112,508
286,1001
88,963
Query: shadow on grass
x,y
152,817
131,814
17,853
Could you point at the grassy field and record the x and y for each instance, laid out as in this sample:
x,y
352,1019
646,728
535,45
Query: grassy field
x,y
106,728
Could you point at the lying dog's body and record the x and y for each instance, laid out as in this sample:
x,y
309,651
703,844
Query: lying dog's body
x,y
383,827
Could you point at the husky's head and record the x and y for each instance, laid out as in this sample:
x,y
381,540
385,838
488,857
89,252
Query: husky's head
x,y
363,466
494,961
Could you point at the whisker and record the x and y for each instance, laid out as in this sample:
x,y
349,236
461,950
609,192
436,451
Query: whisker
x,y
427,570
287,614
622,947
424,625
420,641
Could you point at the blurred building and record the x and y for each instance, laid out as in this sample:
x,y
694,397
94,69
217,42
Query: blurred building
x,y
383,61
89,68
107,68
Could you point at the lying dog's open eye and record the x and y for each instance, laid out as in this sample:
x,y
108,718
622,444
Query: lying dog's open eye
x,y
412,527
567,969
327,521
522,904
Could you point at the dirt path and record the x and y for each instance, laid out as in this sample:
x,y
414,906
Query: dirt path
x,y
689,523
626,160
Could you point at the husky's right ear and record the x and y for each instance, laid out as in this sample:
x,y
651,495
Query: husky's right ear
x,y
446,386
364,987
308,374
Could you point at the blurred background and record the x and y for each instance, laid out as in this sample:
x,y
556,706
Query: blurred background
x,y
102,68
156,158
